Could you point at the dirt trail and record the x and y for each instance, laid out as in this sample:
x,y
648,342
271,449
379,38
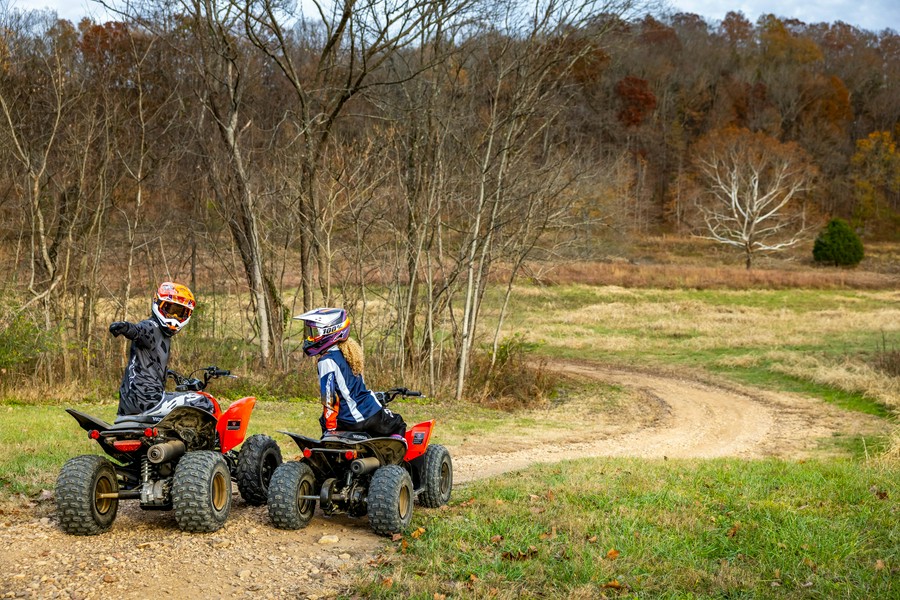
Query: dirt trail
x,y
146,555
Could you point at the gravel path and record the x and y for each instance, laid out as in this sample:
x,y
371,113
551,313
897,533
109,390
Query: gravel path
x,y
145,555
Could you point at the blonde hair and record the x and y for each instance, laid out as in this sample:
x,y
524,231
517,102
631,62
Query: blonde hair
x,y
352,352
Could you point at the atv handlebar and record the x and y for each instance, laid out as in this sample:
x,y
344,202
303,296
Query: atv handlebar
x,y
392,393
193,384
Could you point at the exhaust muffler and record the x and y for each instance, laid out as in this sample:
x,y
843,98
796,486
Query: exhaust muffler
x,y
361,466
160,453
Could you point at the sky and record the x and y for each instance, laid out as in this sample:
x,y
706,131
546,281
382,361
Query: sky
x,y
874,15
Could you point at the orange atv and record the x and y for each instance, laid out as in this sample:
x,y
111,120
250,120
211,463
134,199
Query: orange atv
x,y
351,473
174,457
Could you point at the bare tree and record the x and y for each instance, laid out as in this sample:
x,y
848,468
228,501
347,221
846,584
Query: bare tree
x,y
332,55
751,191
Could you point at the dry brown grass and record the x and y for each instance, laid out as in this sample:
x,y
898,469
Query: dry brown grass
x,y
891,456
678,276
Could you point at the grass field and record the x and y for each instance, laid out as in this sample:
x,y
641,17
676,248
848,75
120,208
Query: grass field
x,y
823,528
657,529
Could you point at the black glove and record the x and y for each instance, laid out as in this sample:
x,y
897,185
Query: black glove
x,y
117,328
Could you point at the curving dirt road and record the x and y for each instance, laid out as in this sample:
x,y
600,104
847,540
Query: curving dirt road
x,y
145,555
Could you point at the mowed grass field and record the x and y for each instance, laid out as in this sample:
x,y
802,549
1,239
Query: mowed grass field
x,y
814,528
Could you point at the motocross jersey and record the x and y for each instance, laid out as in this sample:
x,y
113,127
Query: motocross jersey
x,y
145,376
344,394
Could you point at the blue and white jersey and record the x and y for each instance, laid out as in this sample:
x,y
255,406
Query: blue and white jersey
x,y
337,381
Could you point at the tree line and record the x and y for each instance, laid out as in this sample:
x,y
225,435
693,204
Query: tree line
x,y
396,158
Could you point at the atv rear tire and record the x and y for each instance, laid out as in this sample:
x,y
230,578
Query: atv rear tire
x,y
257,461
287,507
437,477
390,500
80,482
201,491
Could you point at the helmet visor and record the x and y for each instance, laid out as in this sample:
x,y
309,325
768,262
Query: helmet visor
x,y
174,311
311,332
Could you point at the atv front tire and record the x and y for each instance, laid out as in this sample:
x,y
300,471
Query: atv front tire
x,y
79,507
288,509
257,461
390,500
201,491
437,477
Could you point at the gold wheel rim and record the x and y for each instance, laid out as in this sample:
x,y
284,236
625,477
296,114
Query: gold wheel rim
x,y
219,491
404,501
104,486
445,479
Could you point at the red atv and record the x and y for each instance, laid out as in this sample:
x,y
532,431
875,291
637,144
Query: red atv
x,y
354,474
173,457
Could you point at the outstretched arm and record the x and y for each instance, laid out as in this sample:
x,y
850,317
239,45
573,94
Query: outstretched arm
x,y
137,332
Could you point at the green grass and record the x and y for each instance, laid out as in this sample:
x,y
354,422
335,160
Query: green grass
x,y
657,529
777,339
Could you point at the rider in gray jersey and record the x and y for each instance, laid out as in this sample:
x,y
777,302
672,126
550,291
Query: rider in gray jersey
x,y
143,384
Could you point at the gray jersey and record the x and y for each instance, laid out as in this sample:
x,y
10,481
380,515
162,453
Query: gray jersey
x,y
145,376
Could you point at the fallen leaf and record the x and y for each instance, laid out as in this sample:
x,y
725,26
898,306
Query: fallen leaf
x,y
468,502
473,577
613,554
613,585
418,532
733,531
809,563
550,535
496,539
396,537
592,539
550,495
777,573
534,497
519,554
879,565
387,583
498,502
438,596
403,546
806,584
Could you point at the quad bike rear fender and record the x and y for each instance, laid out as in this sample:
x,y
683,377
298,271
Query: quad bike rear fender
x,y
87,422
328,456
417,438
232,425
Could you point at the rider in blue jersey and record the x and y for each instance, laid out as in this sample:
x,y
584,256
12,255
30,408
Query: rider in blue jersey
x,y
348,404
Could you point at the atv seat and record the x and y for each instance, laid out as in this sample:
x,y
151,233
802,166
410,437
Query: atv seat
x,y
355,436
126,421
349,436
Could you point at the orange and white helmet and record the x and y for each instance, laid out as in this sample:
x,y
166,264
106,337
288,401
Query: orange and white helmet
x,y
172,306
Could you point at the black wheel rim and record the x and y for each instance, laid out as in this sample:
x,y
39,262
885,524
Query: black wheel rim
x,y
270,463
